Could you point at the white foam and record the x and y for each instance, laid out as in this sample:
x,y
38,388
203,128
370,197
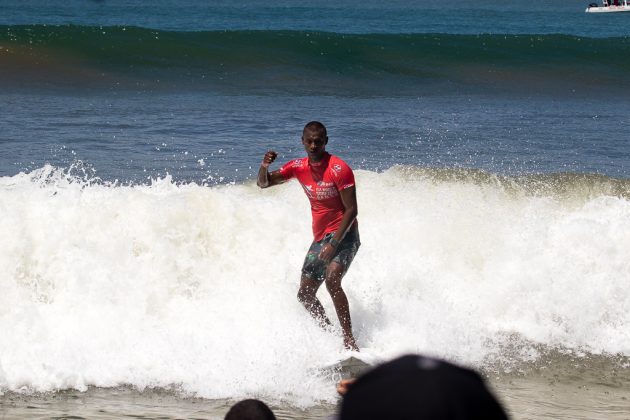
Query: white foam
x,y
194,287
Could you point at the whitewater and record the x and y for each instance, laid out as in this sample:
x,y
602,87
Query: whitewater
x,y
192,288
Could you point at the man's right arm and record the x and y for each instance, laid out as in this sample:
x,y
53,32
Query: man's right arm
x,y
266,179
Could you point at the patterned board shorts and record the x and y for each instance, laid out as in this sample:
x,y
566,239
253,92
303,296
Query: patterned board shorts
x,y
315,269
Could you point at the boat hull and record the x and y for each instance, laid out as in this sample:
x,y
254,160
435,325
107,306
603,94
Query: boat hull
x,y
608,9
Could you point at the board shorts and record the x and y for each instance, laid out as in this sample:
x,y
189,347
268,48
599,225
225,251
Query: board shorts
x,y
315,269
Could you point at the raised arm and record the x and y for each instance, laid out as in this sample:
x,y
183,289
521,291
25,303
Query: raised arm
x,y
266,179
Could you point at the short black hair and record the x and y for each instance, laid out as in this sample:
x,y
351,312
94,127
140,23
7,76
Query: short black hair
x,y
316,126
250,409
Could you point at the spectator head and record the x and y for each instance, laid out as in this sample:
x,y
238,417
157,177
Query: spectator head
x,y
416,387
250,410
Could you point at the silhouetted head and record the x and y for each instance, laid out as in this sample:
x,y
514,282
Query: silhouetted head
x,y
250,410
416,387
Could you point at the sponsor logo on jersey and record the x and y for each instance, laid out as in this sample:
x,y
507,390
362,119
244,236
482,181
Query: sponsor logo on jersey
x,y
326,193
297,163
321,192
336,170
325,184
308,189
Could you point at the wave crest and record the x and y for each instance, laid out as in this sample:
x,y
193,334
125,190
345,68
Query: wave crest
x,y
308,62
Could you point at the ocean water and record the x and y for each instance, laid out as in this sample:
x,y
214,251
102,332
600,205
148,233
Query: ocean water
x,y
143,273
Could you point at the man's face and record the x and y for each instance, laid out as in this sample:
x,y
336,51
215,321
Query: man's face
x,y
314,142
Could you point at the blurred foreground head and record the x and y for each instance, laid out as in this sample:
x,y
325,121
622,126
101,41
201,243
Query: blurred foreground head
x,y
250,410
416,387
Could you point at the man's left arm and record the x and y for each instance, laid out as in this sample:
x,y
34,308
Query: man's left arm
x,y
349,200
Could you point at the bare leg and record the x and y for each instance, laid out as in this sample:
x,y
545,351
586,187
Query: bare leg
x,y
334,275
307,295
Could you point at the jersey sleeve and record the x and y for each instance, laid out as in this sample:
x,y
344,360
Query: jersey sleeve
x,y
342,175
288,170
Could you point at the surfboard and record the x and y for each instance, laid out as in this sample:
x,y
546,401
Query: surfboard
x,y
350,367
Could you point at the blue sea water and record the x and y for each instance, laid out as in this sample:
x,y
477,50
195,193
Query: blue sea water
x,y
491,146
136,90
200,137
350,16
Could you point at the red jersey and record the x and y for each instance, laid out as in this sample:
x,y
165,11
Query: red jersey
x,y
322,182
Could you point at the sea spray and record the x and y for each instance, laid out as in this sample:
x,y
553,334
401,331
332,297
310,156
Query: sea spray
x,y
193,288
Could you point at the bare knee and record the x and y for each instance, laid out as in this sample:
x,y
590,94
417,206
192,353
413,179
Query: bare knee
x,y
333,285
306,294
333,280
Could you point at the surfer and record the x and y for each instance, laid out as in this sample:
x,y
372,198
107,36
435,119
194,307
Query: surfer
x,y
329,185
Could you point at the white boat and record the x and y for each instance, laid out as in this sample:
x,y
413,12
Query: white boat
x,y
609,6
